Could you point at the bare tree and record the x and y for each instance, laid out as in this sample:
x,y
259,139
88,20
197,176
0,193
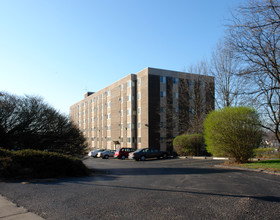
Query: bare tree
x,y
255,36
201,90
230,87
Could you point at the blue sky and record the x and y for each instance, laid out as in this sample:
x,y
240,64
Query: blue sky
x,y
59,49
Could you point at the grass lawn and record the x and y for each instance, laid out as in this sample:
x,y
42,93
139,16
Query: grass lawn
x,y
271,165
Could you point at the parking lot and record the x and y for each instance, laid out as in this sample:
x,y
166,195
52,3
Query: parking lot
x,y
152,189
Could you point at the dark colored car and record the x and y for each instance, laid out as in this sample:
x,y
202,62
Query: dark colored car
x,y
142,154
122,153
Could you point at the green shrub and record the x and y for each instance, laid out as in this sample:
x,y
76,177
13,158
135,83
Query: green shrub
x,y
232,132
188,144
41,164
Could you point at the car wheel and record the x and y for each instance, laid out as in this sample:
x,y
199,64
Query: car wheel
x,y
164,156
142,158
123,157
106,157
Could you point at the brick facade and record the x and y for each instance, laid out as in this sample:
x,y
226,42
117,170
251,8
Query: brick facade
x,y
147,109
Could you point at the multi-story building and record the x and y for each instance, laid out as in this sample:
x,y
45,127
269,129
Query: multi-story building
x,y
147,109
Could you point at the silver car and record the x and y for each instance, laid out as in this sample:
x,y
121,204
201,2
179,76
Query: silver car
x,y
106,154
95,152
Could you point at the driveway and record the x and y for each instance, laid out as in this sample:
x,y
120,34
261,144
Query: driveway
x,y
152,189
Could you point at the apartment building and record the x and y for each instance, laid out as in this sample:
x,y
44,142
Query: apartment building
x,y
147,109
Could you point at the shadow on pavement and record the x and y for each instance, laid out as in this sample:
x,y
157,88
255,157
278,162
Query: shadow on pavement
x,y
262,198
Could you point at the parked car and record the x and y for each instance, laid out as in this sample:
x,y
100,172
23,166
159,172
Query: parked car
x,y
106,154
144,153
122,153
95,152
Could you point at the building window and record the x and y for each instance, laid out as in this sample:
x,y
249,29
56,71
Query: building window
x,y
121,139
128,111
139,110
92,139
139,124
92,100
108,93
108,104
121,99
121,126
92,110
139,139
139,95
128,84
139,81
108,138
128,126
128,140
121,87
128,98
108,116
163,79
121,113
92,119
162,109
192,111
175,80
163,124
92,129
162,93
176,95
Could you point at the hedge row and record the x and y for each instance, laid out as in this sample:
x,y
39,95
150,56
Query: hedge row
x,y
39,164
266,153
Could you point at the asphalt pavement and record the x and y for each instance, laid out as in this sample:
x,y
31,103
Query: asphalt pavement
x,y
152,189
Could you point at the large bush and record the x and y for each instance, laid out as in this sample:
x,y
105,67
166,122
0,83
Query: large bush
x,y
29,123
39,164
233,132
188,144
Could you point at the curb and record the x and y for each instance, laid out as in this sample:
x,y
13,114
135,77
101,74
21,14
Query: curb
x,y
203,158
11,211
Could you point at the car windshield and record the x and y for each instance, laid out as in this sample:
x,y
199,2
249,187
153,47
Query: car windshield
x,y
138,151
